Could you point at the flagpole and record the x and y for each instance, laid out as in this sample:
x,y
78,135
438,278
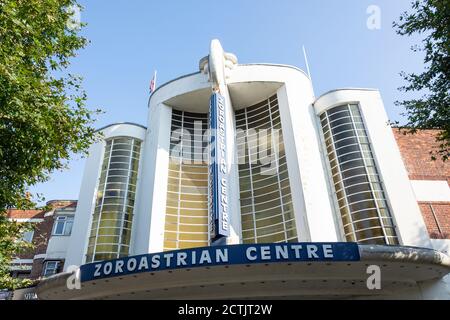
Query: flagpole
x,y
153,83
307,69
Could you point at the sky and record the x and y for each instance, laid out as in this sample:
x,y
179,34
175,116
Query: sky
x,y
131,39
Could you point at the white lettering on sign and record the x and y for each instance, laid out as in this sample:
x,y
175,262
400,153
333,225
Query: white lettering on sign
x,y
155,262
221,256
224,203
181,258
205,257
211,256
281,252
249,253
168,257
218,180
119,265
297,249
98,267
131,265
143,264
327,251
107,268
312,249
265,253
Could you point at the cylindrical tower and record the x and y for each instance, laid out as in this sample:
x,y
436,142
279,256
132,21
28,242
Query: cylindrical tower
x,y
358,187
106,206
112,219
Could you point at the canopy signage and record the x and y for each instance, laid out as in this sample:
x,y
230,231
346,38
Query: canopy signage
x,y
222,255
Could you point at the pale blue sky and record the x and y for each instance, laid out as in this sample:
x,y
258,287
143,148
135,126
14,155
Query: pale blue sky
x,y
129,39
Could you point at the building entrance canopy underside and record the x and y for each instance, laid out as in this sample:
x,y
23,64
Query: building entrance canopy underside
x,y
402,269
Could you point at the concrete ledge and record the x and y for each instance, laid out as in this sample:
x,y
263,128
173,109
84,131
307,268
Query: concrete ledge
x,y
404,254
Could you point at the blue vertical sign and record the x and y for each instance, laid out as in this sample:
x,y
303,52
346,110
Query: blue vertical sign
x,y
218,176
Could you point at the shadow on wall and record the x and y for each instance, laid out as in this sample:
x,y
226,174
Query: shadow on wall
x,y
440,235
421,237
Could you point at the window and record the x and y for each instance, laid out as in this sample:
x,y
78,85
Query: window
x,y
186,224
267,213
63,226
113,214
358,187
22,274
50,268
28,236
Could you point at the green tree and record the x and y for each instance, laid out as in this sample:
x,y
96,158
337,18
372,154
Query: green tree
x,y
43,117
12,244
432,109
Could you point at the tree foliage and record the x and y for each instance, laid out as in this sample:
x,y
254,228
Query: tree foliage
x,y
431,110
43,117
11,245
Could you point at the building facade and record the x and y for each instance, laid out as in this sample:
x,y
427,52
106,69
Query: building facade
x,y
50,237
237,156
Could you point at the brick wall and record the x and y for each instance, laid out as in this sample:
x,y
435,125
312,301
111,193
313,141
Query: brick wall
x,y
437,218
37,268
415,150
42,232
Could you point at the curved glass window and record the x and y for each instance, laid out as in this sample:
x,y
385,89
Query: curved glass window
x,y
358,187
267,213
186,223
113,214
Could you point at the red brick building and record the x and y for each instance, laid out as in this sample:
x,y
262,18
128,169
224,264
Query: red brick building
x,y
416,157
50,228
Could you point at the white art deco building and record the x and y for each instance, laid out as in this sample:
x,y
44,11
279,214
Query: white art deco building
x,y
307,194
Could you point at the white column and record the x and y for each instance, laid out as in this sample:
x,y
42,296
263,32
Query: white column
x,y
233,172
86,201
307,172
148,236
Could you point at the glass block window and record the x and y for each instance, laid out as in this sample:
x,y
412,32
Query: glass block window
x,y
358,188
113,215
186,220
267,213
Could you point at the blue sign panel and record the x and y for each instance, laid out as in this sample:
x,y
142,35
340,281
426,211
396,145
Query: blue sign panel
x,y
222,255
218,176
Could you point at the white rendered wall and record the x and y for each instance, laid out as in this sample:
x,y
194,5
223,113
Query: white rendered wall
x,y
235,236
57,247
75,250
431,190
410,224
77,244
151,198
